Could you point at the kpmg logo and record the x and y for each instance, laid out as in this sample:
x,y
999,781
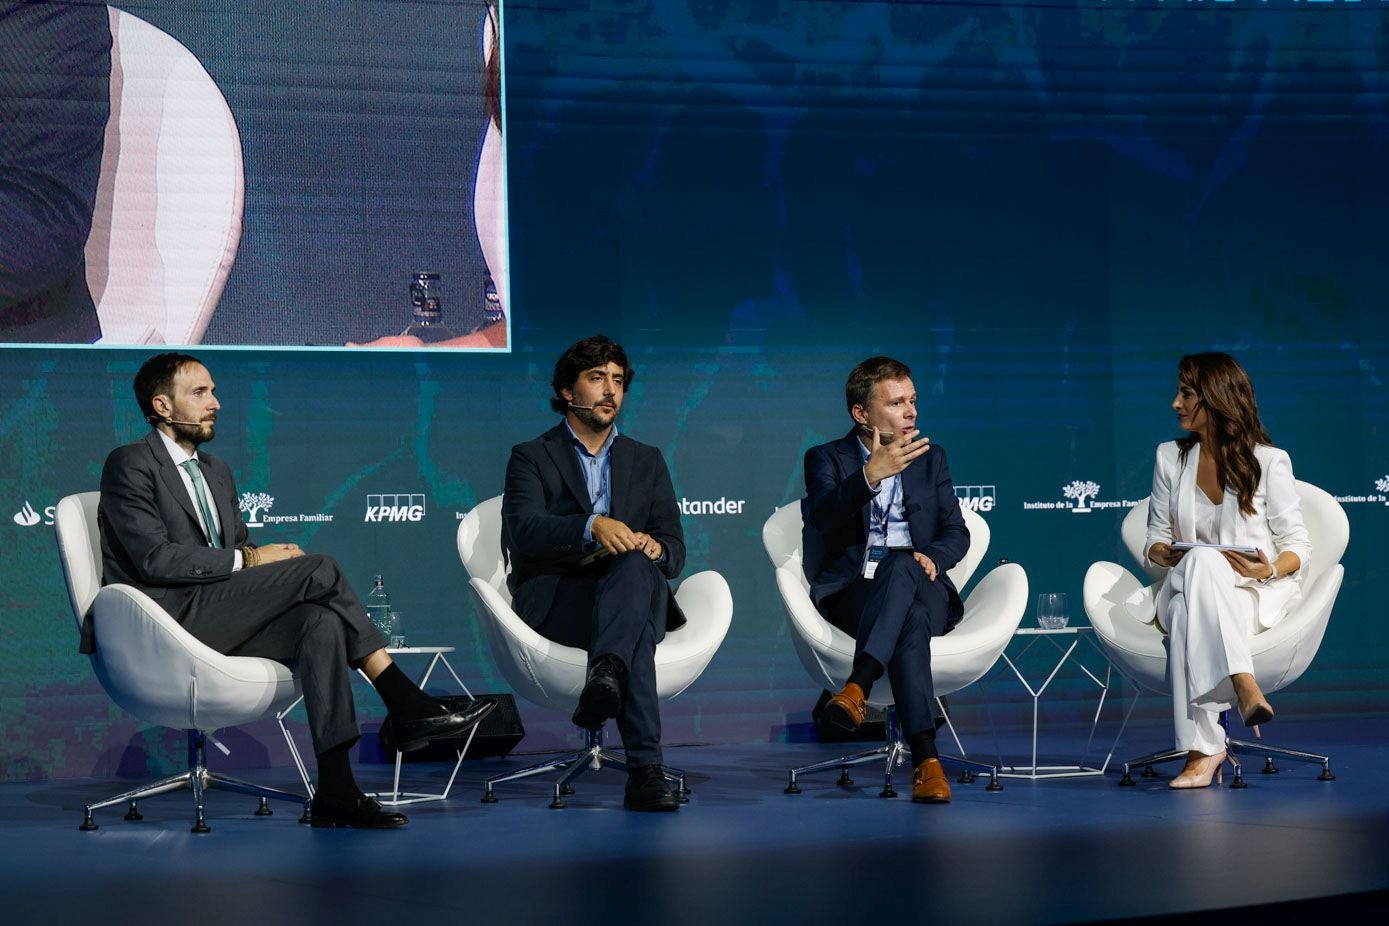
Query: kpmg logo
x,y
29,517
977,498
252,504
394,508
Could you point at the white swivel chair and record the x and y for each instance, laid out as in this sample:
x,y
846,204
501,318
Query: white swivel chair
x,y
159,672
993,610
1281,654
551,675
170,193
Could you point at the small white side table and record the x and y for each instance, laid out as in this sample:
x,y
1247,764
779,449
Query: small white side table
x,y
1065,642
395,797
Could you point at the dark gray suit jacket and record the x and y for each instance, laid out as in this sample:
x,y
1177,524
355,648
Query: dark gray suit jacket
x,y
150,536
835,516
546,506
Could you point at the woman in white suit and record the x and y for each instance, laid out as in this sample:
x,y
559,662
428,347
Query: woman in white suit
x,y
1224,483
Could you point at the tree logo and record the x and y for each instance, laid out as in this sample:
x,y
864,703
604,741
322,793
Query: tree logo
x,y
252,504
1082,493
1383,485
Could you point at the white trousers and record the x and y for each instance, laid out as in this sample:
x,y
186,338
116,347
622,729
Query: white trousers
x,y
1209,621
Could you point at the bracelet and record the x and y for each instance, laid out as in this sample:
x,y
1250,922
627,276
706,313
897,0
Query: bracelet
x,y
249,557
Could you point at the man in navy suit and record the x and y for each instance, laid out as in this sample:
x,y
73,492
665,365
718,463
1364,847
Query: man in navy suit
x,y
881,527
592,533
170,527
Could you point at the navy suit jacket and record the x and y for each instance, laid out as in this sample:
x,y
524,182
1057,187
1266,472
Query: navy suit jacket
x,y
150,536
546,505
834,516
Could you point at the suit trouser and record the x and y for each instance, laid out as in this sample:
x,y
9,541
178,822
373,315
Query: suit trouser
x,y
620,610
893,617
1208,620
300,611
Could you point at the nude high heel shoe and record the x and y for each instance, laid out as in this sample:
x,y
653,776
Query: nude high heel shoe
x,y
1254,708
1210,767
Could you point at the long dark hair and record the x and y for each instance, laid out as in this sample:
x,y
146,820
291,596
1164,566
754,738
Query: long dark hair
x,y
1227,395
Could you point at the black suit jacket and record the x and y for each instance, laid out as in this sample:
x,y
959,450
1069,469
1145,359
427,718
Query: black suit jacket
x,y
546,505
834,516
150,536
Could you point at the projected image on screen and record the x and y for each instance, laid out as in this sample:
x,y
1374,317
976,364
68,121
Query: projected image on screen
x,y
318,174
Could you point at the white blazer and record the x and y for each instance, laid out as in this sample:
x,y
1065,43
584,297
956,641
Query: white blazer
x,y
1274,527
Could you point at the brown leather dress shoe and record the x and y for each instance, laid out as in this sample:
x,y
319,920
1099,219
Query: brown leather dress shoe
x,y
929,784
847,709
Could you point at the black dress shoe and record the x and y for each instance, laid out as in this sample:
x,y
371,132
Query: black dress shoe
x,y
647,790
409,735
358,812
602,695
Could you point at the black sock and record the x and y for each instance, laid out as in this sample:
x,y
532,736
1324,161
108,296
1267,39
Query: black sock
x,y
866,671
403,697
923,746
335,773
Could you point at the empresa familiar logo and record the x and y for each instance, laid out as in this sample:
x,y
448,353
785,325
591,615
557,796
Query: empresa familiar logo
x,y
252,504
1380,495
257,506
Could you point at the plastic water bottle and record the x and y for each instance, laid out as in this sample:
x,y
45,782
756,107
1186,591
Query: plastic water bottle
x,y
379,608
427,309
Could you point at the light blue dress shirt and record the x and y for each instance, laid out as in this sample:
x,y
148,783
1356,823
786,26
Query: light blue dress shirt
x,y
597,469
886,528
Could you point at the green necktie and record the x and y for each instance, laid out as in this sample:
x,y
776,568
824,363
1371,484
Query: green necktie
x,y
190,466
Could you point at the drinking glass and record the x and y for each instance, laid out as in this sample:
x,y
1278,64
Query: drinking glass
x,y
1051,611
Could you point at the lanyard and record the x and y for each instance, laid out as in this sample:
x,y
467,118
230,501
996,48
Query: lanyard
x,y
879,515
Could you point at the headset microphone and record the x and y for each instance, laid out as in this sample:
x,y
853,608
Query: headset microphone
x,y
585,408
154,419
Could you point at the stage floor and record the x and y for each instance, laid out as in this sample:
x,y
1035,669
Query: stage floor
x,y
741,852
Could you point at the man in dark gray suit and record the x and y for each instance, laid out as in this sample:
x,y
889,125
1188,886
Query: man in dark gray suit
x,y
170,527
592,533
881,527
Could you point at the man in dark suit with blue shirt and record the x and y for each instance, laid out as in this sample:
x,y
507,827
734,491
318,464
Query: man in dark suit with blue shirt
x,y
591,530
881,527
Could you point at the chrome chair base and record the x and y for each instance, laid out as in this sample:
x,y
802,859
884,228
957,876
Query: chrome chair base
x,y
591,758
1233,748
198,779
894,755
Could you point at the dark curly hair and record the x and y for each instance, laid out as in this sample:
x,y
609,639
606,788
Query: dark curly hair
x,y
597,351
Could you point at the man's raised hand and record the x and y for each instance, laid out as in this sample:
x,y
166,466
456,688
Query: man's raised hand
x,y
889,459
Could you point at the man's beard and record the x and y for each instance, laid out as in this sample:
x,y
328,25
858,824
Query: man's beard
x,y
590,419
195,434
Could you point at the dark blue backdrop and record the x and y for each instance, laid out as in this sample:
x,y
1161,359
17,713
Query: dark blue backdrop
x,y
1038,207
